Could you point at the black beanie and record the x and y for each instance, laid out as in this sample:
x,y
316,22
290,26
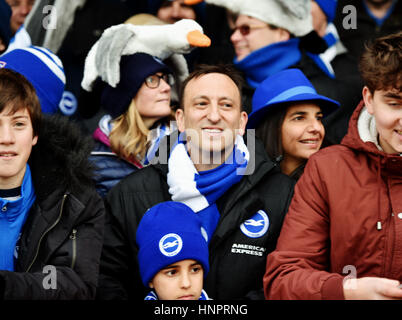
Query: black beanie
x,y
133,71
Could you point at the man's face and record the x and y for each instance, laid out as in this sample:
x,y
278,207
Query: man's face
x,y
16,142
251,34
386,107
212,116
173,11
20,9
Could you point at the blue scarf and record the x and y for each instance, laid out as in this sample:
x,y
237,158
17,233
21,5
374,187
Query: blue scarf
x,y
268,60
201,190
12,217
323,60
153,296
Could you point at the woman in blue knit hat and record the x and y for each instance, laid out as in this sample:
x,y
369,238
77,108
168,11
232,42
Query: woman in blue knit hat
x,y
173,252
134,69
287,115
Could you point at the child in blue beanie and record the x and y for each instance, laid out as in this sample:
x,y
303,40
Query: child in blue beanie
x,y
173,252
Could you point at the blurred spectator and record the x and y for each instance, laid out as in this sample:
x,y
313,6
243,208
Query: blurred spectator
x,y
20,9
5,31
374,18
171,11
336,62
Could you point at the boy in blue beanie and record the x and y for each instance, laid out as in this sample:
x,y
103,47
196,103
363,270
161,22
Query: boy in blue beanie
x,y
173,252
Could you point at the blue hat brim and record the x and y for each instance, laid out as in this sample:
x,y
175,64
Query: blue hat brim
x,y
327,106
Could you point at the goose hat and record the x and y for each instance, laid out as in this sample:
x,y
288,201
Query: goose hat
x,y
286,87
293,16
167,233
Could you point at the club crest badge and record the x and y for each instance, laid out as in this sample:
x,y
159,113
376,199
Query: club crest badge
x,y
170,244
256,226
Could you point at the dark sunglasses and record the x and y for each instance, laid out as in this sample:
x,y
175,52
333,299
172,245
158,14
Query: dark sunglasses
x,y
154,80
245,29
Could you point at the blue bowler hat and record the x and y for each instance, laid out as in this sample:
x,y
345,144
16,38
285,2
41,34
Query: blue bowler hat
x,y
287,86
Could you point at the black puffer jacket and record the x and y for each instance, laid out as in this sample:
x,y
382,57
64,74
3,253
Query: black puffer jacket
x,y
237,261
64,227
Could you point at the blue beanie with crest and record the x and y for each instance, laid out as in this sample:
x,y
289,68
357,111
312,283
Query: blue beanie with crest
x,y
170,232
43,69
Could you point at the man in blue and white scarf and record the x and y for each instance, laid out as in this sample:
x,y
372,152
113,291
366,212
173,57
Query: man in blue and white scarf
x,y
239,194
212,155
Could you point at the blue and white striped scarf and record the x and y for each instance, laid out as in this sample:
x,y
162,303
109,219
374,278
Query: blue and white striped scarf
x,y
201,190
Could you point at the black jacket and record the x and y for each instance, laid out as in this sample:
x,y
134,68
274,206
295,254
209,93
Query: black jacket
x,y
237,262
64,227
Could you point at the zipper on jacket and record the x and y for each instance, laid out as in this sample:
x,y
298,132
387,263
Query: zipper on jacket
x,y
46,232
73,237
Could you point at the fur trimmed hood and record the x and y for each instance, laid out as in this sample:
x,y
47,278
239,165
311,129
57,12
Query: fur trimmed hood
x,y
60,158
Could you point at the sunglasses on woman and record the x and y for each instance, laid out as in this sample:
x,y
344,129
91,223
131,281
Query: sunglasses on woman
x,y
154,80
245,29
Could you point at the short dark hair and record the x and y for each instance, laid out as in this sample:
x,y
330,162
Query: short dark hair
x,y
18,93
381,63
203,69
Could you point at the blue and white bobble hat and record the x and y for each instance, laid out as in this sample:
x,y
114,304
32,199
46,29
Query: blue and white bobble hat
x,y
170,232
43,69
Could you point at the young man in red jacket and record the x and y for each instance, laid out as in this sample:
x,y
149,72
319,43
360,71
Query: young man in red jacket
x,y
342,236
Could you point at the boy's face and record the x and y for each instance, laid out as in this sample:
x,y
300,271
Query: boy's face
x,y
182,280
386,107
16,142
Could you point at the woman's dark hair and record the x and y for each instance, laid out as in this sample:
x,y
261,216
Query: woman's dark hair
x,y
269,131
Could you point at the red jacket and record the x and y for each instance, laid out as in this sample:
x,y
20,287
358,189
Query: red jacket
x,y
345,218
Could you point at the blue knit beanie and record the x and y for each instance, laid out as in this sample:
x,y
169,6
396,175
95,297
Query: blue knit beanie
x,y
328,7
5,16
170,232
133,71
43,69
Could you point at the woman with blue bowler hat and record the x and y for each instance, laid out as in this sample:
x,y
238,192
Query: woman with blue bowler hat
x,y
287,115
